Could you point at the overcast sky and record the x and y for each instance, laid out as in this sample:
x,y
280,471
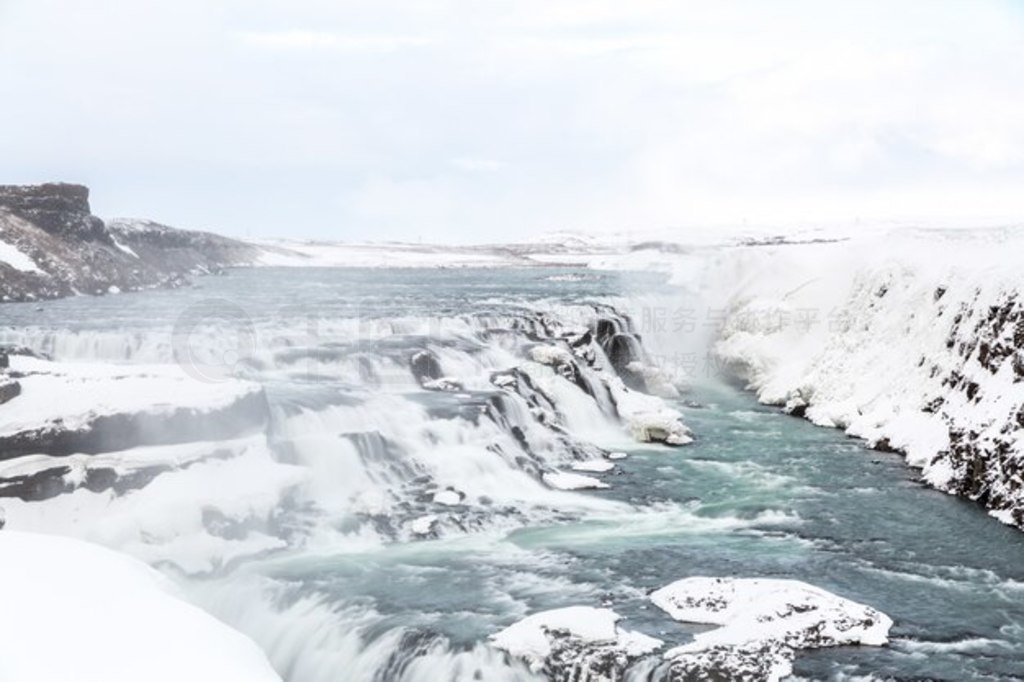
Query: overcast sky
x,y
485,120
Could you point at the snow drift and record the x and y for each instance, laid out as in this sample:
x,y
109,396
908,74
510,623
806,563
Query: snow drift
x,y
53,589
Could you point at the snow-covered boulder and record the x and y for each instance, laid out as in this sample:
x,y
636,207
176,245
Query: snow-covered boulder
x,y
762,623
575,643
77,611
649,418
659,427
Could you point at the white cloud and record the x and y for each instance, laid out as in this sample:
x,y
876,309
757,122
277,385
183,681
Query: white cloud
x,y
475,120
324,40
471,165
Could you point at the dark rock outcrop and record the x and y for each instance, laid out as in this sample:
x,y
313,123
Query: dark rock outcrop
x,y
61,209
9,389
65,250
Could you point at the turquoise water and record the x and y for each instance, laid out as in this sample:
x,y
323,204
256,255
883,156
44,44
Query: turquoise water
x,y
759,494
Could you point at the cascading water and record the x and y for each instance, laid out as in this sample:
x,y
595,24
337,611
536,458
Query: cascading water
x,y
398,507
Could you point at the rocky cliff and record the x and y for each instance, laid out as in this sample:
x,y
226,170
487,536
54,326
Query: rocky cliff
x,y
51,246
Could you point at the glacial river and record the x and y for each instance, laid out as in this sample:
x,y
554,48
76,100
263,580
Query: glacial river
x,y
356,596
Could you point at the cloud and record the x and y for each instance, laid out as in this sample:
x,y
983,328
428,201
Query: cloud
x,y
472,121
471,165
323,40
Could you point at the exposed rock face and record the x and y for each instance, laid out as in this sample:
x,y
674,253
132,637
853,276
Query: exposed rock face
x,y
60,209
9,389
52,246
186,251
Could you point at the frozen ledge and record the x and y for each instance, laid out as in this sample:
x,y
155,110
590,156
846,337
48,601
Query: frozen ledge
x,y
76,611
66,408
762,624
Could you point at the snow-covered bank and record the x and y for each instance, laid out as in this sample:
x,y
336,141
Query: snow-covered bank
x,y
298,253
914,342
76,611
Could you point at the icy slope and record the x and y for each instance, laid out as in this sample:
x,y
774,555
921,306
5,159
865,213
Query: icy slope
x,y
79,612
914,342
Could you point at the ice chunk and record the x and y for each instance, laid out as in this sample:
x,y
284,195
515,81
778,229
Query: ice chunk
x,y
564,480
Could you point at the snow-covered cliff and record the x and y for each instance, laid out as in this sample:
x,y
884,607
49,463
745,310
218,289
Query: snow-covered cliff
x,y
913,341
51,246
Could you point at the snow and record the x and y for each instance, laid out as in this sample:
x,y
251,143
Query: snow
x,y
764,620
551,355
903,340
563,480
531,638
449,384
659,427
448,498
292,253
179,455
596,466
648,417
617,455
17,259
123,247
169,520
423,525
70,395
76,611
